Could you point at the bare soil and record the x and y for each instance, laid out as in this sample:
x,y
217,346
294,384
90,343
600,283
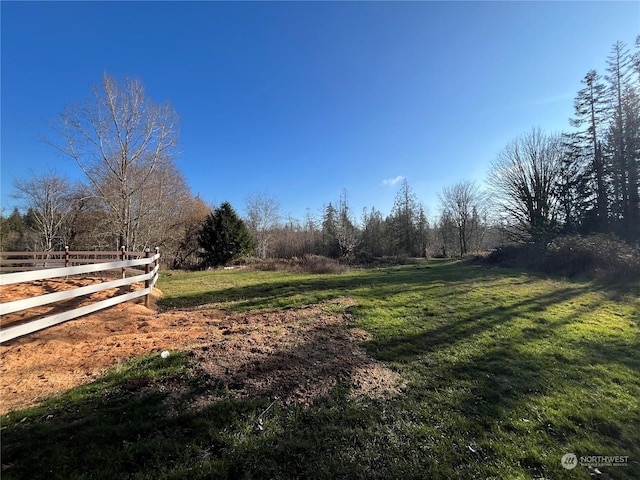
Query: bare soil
x,y
294,355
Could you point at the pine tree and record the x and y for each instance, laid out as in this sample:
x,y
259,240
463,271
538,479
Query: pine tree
x,y
224,237
631,112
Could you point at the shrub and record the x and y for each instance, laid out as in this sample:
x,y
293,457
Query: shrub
x,y
595,256
320,264
514,256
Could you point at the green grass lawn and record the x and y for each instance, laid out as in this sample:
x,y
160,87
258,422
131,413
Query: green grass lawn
x,y
505,373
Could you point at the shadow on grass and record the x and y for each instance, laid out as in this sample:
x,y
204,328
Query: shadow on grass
x,y
465,325
507,371
147,422
490,396
305,289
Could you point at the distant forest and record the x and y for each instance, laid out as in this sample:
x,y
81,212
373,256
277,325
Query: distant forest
x,y
540,186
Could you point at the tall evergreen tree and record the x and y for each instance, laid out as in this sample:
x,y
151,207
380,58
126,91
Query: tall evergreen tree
x,y
224,237
573,188
618,68
422,231
631,113
330,243
590,108
346,232
373,233
447,235
12,232
403,220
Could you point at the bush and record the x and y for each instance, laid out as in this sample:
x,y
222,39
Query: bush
x,y
369,261
320,264
517,256
596,256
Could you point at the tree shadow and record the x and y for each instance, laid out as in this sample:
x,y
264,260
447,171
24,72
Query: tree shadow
x,y
270,413
523,382
221,422
374,283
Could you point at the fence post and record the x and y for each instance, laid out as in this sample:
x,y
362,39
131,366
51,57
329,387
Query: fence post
x,y
122,260
147,252
66,256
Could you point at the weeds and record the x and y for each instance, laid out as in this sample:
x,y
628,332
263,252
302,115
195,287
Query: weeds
x,y
316,264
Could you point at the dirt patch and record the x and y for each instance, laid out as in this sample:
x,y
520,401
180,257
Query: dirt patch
x,y
295,355
292,355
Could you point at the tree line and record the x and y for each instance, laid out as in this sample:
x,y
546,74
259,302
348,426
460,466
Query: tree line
x,y
540,185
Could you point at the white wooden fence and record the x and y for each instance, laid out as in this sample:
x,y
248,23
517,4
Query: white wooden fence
x,y
149,276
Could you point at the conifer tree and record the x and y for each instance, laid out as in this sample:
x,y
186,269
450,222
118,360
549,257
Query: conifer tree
x,y
224,237
403,220
330,243
618,64
590,113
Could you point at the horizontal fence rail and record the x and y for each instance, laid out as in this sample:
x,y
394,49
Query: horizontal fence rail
x,y
26,261
20,277
149,276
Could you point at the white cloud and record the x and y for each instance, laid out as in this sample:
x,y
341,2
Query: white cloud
x,y
563,97
389,182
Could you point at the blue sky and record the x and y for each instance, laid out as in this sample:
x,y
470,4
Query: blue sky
x,y
303,99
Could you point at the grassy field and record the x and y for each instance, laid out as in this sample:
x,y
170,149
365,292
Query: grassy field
x,y
505,373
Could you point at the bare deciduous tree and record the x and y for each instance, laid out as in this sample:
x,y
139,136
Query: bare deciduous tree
x,y
263,216
464,204
120,139
523,178
47,197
